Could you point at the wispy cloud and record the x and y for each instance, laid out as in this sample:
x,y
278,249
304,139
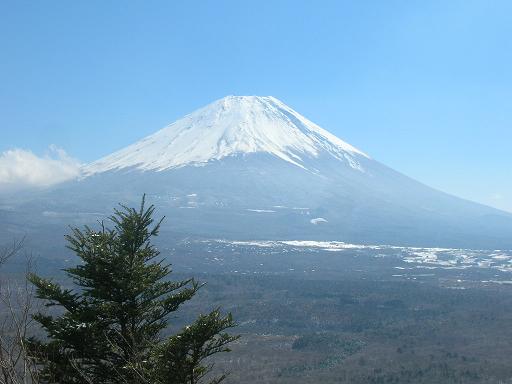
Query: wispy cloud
x,y
22,169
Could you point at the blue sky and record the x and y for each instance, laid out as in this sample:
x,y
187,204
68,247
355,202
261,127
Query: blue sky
x,y
422,86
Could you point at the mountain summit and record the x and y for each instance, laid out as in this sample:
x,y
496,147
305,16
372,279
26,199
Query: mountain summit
x,y
234,125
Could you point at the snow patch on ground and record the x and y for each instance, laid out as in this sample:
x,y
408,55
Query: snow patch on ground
x,y
416,257
318,220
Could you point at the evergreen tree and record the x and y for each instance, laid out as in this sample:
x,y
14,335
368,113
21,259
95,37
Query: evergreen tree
x,y
109,330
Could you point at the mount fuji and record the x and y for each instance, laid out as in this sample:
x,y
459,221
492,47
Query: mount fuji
x,y
249,167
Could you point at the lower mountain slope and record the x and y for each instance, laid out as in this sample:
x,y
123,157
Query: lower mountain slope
x,y
259,196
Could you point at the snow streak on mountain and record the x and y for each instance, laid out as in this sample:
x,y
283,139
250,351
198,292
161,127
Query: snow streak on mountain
x,y
231,126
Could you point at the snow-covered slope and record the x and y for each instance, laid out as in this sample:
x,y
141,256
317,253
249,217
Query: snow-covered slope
x,y
231,126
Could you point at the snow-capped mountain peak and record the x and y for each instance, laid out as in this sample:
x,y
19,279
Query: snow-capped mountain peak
x,y
246,168
233,125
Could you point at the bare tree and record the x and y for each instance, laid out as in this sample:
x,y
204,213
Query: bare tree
x,y
17,303
8,251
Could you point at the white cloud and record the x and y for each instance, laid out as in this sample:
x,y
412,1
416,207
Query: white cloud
x,y
22,169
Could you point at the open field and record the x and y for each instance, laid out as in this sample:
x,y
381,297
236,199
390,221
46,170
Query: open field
x,y
353,315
